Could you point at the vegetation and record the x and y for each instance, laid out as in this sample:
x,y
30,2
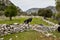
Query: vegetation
x,y
39,21
53,20
21,20
58,5
57,33
11,11
58,10
45,12
30,35
34,14
2,6
58,16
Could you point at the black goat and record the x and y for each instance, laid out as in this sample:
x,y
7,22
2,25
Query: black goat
x,y
28,20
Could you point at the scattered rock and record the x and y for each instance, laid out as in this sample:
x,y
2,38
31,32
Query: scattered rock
x,y
54,36
10,39
16,23
15,28
48,34
1,38
16,36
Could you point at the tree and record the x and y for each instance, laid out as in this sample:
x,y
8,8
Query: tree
x,y
11,11
1,13
58,5
58,17
34,14
58,10
45,12
2,6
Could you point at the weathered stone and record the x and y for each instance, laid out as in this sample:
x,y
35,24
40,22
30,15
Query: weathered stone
x,y
16,36
10,39
15,28
16,23
1,38
48,34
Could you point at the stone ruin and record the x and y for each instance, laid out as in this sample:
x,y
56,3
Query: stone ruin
x,y
12,28
15,28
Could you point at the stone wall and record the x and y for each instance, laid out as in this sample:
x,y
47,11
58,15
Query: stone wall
x,y
15,28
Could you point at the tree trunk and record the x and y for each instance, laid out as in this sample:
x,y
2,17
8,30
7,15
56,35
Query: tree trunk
x,y
10,18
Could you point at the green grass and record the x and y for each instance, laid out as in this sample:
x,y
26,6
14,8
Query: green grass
x,y
21,20
56,33
39,21
53,20
30,35
7,21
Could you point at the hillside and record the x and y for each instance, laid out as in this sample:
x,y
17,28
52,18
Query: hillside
x,y
52,8
32,10
35,10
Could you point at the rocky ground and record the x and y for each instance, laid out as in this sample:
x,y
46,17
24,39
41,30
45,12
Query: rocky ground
x,y
15,28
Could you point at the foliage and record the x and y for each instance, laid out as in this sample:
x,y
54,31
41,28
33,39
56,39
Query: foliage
x,y
21,20
57,5
11,11
2,6
58,10
34,14
45,12
53,20
57,16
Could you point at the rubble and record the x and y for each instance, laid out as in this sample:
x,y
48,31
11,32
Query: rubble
x,y
15,28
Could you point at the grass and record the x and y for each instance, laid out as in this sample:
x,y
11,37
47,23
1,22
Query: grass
x,y
53,20
21,20
57,33
30,35
39,21
7,21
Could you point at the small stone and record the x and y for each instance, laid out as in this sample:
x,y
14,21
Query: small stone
x,y
41,36
1,38
16,36
10,39
15,23
54,36
22,30
47,35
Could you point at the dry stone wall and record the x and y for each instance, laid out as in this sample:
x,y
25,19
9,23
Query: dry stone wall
x,y
15,28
